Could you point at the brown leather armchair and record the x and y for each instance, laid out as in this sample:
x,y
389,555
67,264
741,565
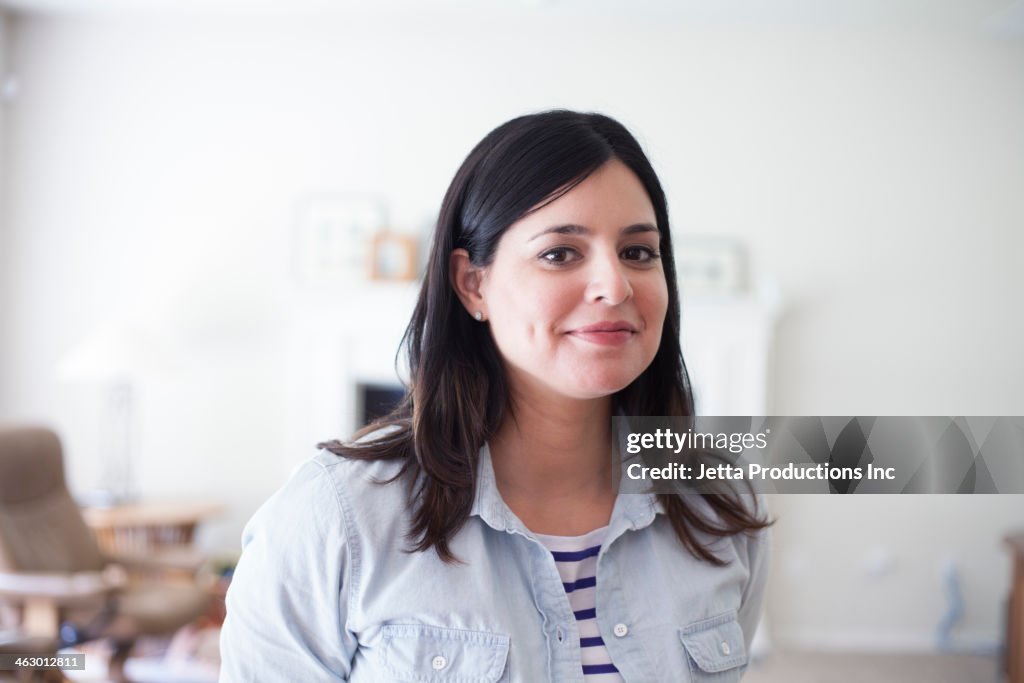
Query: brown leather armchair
x,y
53,575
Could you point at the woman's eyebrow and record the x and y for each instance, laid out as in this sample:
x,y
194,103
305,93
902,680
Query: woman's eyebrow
x,y
639,227
576,229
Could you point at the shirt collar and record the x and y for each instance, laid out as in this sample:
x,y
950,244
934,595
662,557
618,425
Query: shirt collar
x,y
632,510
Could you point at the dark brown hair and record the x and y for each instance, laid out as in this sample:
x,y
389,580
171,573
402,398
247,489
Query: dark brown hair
x,y
457,395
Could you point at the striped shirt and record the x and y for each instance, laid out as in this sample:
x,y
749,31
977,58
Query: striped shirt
x,y
576,559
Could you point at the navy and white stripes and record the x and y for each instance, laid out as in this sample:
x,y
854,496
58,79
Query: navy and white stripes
x,y
576,559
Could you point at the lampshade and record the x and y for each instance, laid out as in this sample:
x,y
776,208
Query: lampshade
x,y
113,351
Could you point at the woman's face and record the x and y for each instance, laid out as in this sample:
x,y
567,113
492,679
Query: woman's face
x,y
576,295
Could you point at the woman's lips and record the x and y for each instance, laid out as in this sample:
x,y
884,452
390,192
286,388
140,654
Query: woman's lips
x,y
605,334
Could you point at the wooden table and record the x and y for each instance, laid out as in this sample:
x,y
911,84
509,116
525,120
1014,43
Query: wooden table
x,y
145,526
1015,625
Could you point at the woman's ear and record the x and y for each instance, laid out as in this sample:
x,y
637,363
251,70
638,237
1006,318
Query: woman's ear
x,y
466,279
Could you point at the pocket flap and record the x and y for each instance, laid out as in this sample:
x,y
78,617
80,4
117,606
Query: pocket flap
x,y
715,644
414,652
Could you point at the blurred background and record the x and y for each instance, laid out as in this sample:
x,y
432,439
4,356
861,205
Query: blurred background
x,y
213,214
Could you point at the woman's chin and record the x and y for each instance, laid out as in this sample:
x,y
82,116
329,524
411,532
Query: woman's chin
x,y
596,387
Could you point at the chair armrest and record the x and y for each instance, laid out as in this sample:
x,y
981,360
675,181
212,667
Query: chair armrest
x,y
174,559
61,588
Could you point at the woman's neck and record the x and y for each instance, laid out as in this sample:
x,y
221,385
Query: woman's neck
x,y
552,461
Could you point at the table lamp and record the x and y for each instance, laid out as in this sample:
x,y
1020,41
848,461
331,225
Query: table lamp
x,y
114,354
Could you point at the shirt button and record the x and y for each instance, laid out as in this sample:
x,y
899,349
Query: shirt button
x,y
438,662
620,630
725,648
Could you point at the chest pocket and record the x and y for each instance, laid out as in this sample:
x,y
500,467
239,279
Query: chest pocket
x,y
715,647
413,652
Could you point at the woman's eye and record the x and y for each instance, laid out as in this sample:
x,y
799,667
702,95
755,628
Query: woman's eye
x,y
559,255
640,253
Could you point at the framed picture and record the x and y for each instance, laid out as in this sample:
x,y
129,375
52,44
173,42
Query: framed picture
x,y
711,265
333,236
393,257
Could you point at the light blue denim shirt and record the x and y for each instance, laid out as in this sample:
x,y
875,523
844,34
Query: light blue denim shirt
x,y
326,591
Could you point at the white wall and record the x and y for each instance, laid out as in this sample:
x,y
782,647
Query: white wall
x,y
5,268
875,173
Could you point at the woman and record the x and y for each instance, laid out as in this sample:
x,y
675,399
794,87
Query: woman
x,y
476,533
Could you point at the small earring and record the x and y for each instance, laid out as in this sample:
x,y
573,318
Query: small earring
x,y
479,316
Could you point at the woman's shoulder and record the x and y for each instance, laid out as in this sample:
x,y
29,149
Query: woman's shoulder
x,y
336,495
356,475
357,478
748,544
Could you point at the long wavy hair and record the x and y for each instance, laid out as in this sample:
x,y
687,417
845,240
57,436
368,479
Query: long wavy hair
x,y
458,395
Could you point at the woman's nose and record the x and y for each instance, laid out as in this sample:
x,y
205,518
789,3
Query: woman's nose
x,y
609,280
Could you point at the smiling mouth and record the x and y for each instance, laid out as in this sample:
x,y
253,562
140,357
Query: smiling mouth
x,y
605,334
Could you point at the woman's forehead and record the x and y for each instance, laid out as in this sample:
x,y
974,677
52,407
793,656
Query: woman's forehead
x,y
611,198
